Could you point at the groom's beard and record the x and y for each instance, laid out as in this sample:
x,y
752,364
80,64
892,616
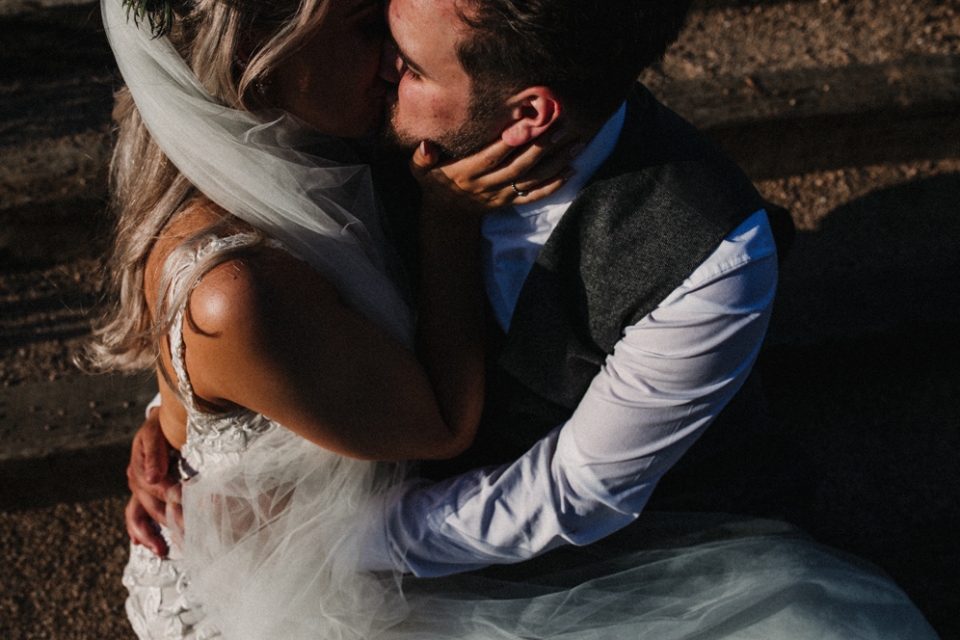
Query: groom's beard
x,y
478,131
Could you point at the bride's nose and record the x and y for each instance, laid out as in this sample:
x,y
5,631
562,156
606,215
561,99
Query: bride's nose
x,y
391,64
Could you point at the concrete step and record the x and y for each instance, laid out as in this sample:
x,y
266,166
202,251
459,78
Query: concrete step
x,y
774,122
68,439
771,122
18,8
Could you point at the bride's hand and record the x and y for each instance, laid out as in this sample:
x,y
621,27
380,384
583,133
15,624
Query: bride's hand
x,y
498,175
149,479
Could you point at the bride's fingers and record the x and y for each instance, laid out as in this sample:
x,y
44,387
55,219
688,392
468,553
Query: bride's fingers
x,y
489,158
463,171
426,155
533,153
507,195
142,529
499,160
485,178
532,165
540,190
553,166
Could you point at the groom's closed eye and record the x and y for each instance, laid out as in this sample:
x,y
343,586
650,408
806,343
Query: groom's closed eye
x,y
395,65
406,67
410,72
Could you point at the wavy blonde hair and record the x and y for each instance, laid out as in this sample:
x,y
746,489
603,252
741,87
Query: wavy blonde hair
x,y
149,192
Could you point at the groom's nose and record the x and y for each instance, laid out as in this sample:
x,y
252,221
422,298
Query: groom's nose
x,y
391,65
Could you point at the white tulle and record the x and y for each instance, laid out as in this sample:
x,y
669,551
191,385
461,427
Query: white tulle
x,y
324,212
718,577
270,549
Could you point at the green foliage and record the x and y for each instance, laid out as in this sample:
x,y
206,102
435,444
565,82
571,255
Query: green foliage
x,y
158,14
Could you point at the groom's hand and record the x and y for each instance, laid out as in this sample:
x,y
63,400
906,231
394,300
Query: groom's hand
x,y
149,480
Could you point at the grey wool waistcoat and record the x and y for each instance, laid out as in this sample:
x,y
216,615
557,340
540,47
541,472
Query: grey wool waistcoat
x,y
657,208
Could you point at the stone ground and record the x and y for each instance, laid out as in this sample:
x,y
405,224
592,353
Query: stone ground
x,y
862,367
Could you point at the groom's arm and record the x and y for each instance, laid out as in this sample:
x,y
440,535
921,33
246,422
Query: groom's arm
x,y
668,378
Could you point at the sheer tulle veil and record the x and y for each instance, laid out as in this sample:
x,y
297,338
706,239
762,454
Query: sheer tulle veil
x,y
323,211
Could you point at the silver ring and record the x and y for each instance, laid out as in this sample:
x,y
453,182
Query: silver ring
x,y
513,183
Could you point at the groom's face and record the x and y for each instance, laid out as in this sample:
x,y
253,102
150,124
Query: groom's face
x,y
433,95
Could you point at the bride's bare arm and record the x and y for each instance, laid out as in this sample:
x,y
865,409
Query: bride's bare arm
x,y
455,196
450,315
268,333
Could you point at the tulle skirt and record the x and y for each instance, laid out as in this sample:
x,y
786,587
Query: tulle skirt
x,y
271,552
722,578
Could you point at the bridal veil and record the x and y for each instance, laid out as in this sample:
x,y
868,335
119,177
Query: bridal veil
x,y
257,169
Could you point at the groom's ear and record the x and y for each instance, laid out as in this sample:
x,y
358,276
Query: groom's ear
x,y
532,111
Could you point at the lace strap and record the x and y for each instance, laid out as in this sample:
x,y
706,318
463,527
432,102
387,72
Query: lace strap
x,y
179,280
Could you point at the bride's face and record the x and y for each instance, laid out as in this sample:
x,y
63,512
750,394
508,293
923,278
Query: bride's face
x,y
332,81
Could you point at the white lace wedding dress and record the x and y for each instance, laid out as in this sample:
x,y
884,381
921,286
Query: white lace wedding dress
x,y
270,553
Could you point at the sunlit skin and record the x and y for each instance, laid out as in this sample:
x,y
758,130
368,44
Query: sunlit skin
x,y
271,335
432,98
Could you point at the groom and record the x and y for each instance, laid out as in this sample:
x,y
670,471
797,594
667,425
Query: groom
x,y
627,309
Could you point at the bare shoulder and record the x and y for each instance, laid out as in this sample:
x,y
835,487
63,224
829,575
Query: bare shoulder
x,y
245,316
239,290
244,294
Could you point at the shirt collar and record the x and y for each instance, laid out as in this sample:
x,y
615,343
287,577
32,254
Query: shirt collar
x,y
586,163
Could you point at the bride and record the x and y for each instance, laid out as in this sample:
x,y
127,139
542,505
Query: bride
x,y
253,273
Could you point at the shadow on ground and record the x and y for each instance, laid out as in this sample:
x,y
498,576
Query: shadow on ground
x,y
887,259
863,380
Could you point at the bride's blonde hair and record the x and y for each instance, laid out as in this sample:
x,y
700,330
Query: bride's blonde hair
x,y
232,46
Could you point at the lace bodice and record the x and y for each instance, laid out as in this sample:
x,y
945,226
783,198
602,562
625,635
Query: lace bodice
x,y
212,438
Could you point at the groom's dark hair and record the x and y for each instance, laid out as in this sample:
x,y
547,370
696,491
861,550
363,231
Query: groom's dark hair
x,y
589,51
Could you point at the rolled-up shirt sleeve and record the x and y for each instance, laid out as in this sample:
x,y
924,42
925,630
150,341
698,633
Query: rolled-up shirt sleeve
x,y
667,379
